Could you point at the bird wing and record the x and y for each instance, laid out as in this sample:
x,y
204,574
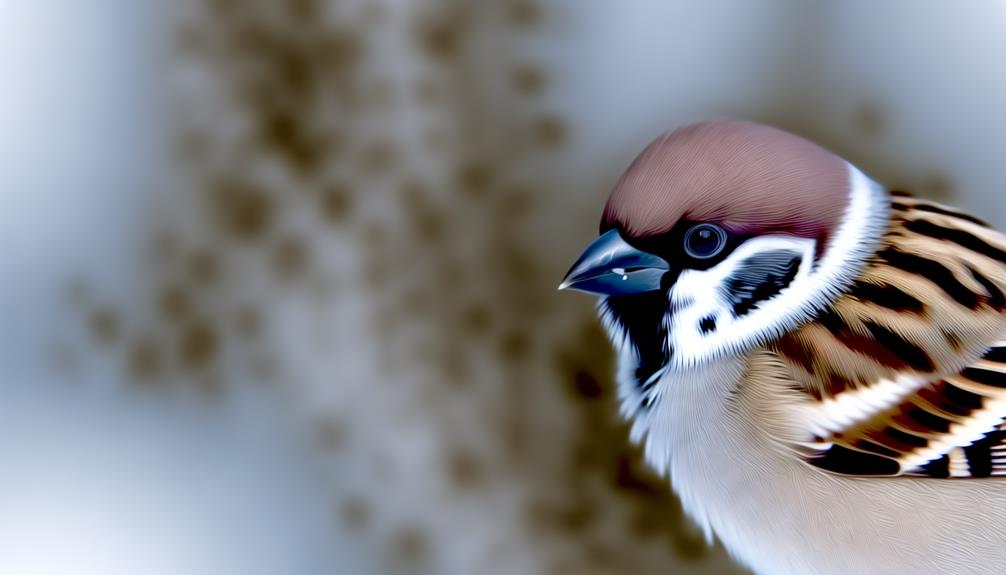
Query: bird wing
x,y
905,374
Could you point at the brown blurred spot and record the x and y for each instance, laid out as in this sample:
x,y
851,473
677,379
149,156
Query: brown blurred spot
x,y
572,516
225,8
332,433
564,567
656,508
339,52
429,226
515,345
416,301
174,303
587,386
204,266
306,10
197,345
243,210
143,360
335,203
516,202
409,547
354,513
550,131
427,223
104,324
689,546
870,120
282,62
518,263
281,129
524,13
528,80
476,319
413,195
464,469
284,132
440,37
290,258
454,364
474,177
577,517
600,555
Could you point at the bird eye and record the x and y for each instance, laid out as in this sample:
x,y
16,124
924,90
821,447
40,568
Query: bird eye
x,y
704,241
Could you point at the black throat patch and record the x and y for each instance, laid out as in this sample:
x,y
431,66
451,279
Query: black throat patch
x,y
641,316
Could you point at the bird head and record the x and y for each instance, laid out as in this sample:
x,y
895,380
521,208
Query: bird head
x,y
724,234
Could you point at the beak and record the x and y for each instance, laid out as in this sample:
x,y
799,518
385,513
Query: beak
x,y
610,266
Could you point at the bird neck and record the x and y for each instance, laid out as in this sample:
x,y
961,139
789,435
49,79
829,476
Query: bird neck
x,y
705,433
689,431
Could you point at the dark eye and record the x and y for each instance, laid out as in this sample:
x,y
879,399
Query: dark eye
x,y
704,241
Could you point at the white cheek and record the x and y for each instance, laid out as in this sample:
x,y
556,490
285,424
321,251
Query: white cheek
x,y
697,296
701,323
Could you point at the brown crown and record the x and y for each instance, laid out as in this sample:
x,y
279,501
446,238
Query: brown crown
x,y
744,176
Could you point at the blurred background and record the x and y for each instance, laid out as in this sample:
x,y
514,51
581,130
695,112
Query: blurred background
x,y
279,276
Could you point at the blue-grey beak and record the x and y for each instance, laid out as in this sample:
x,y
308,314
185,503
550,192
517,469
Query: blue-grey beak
x,y
610,266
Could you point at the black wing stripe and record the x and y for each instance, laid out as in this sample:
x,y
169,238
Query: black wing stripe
x,y
967,400
847,461
996,354
913,355
996,298
932,271
919,420
985,376
939,467
888,296
959,237
981,462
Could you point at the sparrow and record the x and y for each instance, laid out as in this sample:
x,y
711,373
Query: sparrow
x,y
817,363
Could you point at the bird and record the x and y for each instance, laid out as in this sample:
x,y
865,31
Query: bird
x,y
814,361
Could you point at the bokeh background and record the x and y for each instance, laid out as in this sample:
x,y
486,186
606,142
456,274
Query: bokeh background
x,y
279,275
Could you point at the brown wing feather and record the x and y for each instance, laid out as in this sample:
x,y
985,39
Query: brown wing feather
x,y
903,370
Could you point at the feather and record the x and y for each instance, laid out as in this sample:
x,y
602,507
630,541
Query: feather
x,y
905,374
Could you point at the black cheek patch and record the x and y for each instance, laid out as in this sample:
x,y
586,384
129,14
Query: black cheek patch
x,y
760,277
